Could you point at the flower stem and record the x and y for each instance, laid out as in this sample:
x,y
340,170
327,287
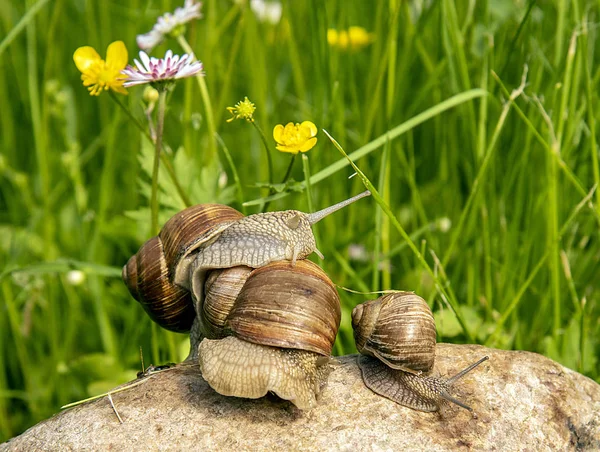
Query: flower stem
x,y
266,145
160,121
289,169
210,121
164,157
269,160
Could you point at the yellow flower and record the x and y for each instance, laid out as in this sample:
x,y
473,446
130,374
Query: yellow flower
x,y
295,138
358,37
99,75
244,109
355,38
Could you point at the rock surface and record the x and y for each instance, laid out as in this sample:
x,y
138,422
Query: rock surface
x,y
523,401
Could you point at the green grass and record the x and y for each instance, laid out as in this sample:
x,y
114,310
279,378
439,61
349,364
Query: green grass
x,y
475,115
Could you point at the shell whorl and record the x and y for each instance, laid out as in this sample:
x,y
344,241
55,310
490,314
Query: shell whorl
x,y
150,273
291,307
147,277
398,329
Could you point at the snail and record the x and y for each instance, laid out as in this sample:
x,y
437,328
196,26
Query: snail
x,y
168,267
274,331
395,335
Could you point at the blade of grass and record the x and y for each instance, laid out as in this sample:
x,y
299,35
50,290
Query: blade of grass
x,y
591,119
561,164
27,17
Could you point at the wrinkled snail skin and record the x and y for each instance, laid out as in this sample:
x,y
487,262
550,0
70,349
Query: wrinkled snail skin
x,y
281,331
395,335
233,367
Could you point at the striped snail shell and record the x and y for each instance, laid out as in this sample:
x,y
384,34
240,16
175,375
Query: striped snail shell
x,y
279,334
150,273
395,335
398,329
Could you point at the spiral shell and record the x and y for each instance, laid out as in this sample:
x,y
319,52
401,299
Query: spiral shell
x,y
150,274
398,329
293,307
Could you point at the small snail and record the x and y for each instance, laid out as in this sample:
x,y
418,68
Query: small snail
x,y
395,335
279,331
166,268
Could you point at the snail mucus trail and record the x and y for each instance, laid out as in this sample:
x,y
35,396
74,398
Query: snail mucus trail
x,y
396,337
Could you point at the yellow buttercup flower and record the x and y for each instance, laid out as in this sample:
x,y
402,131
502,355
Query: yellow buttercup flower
x,y
99,75
355,38
244,109
295,138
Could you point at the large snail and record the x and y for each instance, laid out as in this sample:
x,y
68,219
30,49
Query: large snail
x,y
280,322
395,335
166,268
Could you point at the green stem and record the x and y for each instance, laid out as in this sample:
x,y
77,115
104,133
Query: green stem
x,y
289,169
269,160
266,145
165,159
160,122
210,120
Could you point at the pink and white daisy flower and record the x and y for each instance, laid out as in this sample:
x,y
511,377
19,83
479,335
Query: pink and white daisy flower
x,y
151,70
170,24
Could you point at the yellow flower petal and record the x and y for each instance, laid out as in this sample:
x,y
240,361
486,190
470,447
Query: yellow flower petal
x,y
308,145
290,149
277,133
116,55
343,40
119,89
85,57
311,127
289,128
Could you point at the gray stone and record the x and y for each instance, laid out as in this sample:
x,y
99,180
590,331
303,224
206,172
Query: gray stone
x,y
523,401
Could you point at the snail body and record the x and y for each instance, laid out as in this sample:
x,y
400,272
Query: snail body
x,y
279,334
395,335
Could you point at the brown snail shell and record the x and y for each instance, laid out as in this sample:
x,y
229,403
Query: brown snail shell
x,y
294,307
398,329
282,327
150,273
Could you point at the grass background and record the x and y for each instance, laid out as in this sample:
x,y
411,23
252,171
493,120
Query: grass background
x,y
489,189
